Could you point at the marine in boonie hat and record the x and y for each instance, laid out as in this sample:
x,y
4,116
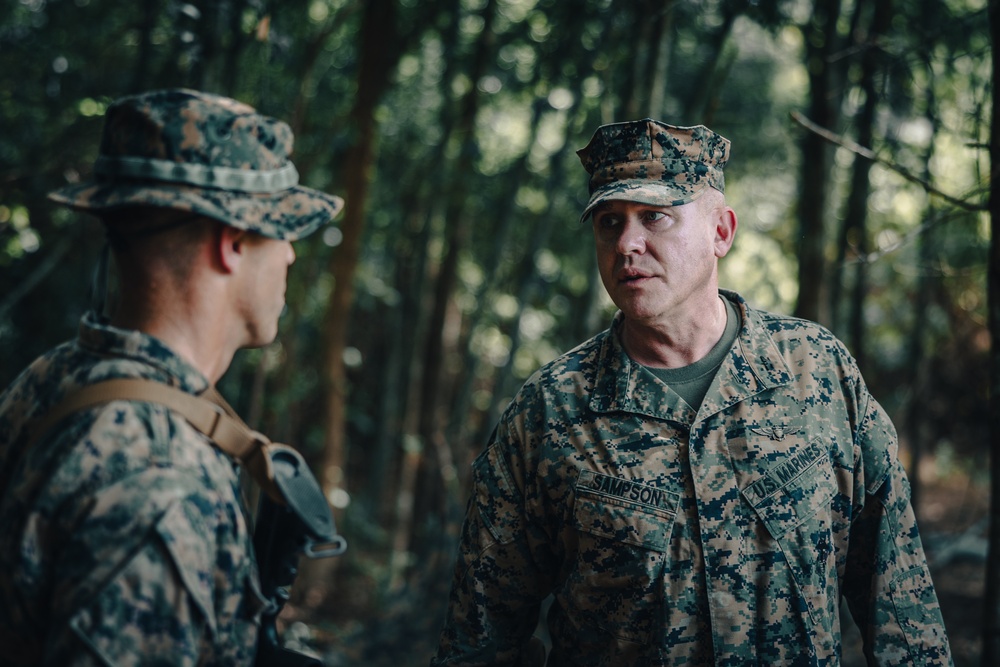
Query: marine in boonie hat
x,y
650,162
205,154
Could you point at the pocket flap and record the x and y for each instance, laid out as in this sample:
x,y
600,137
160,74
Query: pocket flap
x,y
624,510
793,491
190,544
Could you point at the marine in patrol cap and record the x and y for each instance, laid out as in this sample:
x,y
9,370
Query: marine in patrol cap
x,y
205,154
650,162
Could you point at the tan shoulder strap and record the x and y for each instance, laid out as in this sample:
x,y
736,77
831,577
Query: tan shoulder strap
x,y
208,413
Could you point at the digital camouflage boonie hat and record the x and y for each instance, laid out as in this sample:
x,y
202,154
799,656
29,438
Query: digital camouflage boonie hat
x,y
650,162
202,153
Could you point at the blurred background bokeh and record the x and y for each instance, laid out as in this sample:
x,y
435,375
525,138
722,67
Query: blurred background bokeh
x,y
859,171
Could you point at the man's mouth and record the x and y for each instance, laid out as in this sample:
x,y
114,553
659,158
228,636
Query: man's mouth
x,y
631,276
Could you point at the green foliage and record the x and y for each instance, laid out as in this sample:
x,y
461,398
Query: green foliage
x,y
526,288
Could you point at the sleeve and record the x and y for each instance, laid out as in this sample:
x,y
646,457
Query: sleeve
x,y
497,587
887,584
157,571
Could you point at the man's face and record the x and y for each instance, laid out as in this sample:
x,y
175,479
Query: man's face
x,y
661,262
263,296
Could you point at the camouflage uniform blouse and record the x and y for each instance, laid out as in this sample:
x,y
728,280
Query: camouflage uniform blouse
x,y
669,537
123,539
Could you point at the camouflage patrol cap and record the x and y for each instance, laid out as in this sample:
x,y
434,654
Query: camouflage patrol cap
x,y
650,162
202,153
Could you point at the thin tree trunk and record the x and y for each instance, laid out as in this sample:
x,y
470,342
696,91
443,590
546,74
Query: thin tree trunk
x,y
402,326
207,46
304,74
857,201
661,59
645,38
140,77
234,54
820,37
373,77
915,355
411,279
457,431
696,106
528,288
456,235
991,595
425,435
916,346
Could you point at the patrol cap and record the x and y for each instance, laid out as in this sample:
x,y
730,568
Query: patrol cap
x,y
201,153
650,162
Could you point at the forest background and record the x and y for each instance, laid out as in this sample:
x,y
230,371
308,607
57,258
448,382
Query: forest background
x,y
860,173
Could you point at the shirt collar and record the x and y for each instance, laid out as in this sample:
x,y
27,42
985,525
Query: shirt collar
x,y
753,365
96,335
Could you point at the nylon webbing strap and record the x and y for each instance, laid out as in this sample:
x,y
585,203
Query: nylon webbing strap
x,y
209,414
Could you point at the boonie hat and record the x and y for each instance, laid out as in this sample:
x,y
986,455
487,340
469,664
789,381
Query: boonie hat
x,y
202,153
653,163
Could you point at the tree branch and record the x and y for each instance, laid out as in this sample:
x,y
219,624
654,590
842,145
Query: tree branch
x,y
869,154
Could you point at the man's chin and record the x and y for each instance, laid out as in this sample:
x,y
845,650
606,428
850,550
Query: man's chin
x,y
260,338
637,310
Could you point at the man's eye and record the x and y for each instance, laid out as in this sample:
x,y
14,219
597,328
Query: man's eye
x,y
653,216
607,221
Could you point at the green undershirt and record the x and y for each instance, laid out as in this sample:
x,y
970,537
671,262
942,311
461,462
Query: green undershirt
x,y
692,382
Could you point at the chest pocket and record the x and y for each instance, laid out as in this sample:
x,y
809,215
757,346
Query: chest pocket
x,y
794,500
623,528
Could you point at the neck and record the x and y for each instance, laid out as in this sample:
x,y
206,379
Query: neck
x,y
188,321
677,341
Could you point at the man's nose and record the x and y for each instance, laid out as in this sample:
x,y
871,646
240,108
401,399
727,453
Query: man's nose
x,y
632,239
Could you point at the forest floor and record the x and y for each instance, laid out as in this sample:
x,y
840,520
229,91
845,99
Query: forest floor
x,y
404,632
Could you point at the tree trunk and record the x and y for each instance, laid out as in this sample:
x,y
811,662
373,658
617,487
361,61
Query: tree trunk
x,y
457,426
373,77
140,77
914,424
644,35
926,250
991,595
237,43
857,201
456,235
660,59
820,38
529,284
696,106
424,409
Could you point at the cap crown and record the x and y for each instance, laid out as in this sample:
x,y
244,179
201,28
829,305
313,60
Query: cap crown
x,y
197,139
653,162
202,153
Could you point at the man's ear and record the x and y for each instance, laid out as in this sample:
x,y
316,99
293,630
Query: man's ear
x,y
725,230
229,245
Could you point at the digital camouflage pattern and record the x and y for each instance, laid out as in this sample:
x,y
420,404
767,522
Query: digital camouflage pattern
x,y
124,539
653,163
201,153
673,537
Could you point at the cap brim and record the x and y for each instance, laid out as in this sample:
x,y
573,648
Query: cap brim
x,y
287,215
644,191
